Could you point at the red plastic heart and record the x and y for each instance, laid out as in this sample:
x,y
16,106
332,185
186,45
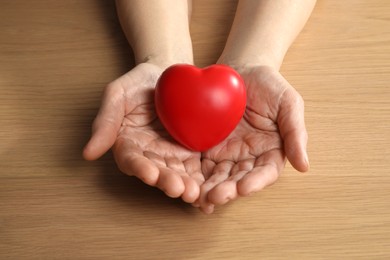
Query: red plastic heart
x,y
200,107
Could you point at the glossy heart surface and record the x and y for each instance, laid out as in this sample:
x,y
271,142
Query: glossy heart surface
x,y
200,107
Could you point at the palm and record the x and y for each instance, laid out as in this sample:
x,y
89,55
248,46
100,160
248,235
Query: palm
x,y
252,157
142,147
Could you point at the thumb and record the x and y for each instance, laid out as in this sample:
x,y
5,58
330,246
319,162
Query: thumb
x,y
106,124
293,130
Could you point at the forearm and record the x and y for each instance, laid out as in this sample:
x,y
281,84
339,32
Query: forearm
x,y
158,30
263,30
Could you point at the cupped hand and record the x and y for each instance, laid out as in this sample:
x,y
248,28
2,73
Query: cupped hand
x,y
127,123
254,154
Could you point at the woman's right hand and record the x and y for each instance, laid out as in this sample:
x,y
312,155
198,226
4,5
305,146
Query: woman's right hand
x,y
128,124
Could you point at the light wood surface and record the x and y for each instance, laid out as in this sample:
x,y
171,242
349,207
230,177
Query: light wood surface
x,y
55,59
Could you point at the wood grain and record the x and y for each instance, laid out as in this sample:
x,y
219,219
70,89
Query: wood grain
x,y
55,59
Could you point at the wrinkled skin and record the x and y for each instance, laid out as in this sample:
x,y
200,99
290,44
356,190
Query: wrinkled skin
x,y
251,158
127,122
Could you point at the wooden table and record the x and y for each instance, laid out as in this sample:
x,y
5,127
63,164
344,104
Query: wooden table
x,y
55,59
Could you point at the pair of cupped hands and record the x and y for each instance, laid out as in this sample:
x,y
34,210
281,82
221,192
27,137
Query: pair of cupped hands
x,y
249,159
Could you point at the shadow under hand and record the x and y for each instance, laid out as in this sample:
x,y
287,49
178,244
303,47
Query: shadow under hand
x,y
151,218
136,195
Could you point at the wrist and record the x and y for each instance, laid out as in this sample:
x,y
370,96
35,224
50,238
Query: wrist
x,y
157,31
240,60
165,61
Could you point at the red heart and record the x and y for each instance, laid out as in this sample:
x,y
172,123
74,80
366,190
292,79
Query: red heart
x,y
200,107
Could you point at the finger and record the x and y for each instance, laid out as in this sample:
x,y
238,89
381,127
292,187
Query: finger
x,y
193,169
191,189
131,160
106,124
186,171
220,173
190,181
175,164
170,182
157,159
139,166
207,168
293,130
227,190
208,209
266,171
193,165
170,175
